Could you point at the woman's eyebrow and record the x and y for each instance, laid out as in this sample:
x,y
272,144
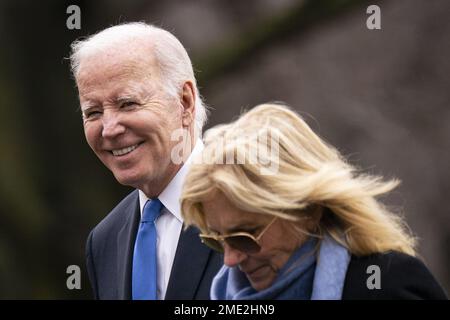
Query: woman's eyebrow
x,y
240,227
243,227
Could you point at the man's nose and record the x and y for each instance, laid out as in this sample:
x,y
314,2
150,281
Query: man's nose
x,y
112,125
232,257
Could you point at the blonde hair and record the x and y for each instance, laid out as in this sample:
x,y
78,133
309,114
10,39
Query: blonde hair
x,y
310,175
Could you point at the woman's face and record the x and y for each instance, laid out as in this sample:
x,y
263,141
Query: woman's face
x,y
278,242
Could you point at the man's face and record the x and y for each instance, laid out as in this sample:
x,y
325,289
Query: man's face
x,y
128,118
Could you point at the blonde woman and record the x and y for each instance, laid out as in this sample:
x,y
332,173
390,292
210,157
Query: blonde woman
x,y
294,220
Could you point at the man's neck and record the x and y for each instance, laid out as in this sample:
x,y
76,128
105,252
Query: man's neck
x,y
154,188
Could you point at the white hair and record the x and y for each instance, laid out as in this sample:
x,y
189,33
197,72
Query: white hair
x,y
171,57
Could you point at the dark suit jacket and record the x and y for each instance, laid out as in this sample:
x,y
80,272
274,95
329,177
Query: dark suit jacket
x,y
402,277
109,256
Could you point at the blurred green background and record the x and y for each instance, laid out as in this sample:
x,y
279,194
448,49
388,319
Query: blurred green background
x,y
381,96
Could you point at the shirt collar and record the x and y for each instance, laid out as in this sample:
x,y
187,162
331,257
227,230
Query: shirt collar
x,y
170,196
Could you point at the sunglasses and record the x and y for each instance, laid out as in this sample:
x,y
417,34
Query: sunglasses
x,y
242,241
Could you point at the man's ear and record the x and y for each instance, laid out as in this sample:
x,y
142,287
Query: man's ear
x,y
187,100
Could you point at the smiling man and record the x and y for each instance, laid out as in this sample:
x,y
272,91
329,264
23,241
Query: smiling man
x,y
137,90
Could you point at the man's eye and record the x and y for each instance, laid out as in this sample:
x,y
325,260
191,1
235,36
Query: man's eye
x,y
128,105
92,114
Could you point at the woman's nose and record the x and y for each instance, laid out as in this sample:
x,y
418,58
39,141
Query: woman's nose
x,y
232,257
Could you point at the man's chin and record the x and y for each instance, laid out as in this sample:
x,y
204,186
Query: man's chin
x,y
128,180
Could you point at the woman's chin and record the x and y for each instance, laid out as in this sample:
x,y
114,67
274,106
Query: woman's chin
x,y
261,278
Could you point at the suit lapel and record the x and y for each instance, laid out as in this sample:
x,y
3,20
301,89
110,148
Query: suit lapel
x,y
125,248
190,261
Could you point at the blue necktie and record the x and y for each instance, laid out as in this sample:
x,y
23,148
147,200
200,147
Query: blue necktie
x,y
144,258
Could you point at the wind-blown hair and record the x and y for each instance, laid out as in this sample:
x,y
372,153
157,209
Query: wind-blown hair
x,y
171,57
314,183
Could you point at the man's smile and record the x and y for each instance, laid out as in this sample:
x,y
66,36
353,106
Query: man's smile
x,y
125,150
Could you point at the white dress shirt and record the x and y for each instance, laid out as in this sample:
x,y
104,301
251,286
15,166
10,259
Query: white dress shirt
x,y
169,223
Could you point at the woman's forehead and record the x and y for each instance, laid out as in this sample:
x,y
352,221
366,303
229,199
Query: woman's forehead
x,y
224,215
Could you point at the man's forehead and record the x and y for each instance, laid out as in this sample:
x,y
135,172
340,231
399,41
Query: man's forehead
x,y
114,65
117,62
98,72
115,90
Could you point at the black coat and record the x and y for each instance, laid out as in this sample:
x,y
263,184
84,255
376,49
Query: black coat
x,y
402,277
109,255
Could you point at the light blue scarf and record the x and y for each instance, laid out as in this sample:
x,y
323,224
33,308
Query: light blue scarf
x,y
302,277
